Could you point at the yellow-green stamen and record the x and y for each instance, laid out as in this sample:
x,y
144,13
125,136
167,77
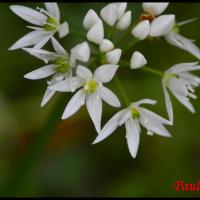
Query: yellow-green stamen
x,y
51,25
63,64
90,86
135,113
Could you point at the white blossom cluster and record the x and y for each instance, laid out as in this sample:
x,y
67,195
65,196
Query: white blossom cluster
x,y
70,71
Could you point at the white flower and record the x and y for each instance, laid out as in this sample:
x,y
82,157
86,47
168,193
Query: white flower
x,y
114,14
181,83
137,60
92,92
151,24
177,40
113,56
47,24
61,64
106,45
132,117
155,8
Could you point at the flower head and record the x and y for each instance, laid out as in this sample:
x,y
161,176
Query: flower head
x,y
47,24
181,83
91,92
133,117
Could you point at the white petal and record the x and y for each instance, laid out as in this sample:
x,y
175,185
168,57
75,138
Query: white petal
x,y
114,56
106,45
109,127
47,96
74,104
125,21
44,55
29,39
155,116
168,102
185,101
126,115
153,126
90,19
155,8
43,41
109,97
183,43
83,72
96,33
81,52
145,101
141,30
162,25
183,67
42,72
57,47
105,73
53,9
132,136
178,86
68,85
63,29
109,14
30,15
137,60
94,107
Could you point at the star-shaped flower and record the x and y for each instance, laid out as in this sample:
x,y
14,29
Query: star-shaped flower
x,y
61,64
47,24
174,38
91,92
133,117
181,84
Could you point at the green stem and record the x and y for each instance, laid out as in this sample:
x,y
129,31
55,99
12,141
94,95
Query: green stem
x,y
153,71
121,91
36,149
125,63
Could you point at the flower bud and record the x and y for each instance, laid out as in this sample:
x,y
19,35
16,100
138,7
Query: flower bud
x,y
81,52
109,15
125,21
90,19
106,45
96,33
155,8
114,56
137,60
162,25
119,9
141,30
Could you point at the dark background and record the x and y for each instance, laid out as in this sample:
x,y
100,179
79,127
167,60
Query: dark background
x,y
63,162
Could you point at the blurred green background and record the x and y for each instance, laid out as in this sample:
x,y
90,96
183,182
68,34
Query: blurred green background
x,y
68,165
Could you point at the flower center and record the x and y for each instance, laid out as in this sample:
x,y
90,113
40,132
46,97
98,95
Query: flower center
x,y
146,16
63,64
90,86
135,113
176,28
51,24
167,77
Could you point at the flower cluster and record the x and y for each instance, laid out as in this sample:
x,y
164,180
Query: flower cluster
x,y
70,71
